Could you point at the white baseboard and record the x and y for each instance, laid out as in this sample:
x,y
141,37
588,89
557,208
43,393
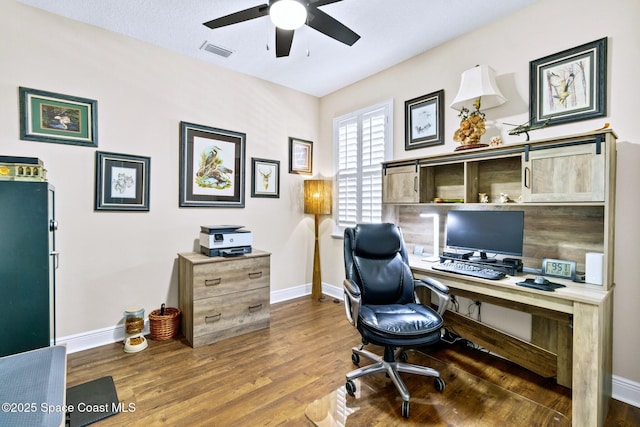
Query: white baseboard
x,y
624,390
290,293
96,338
333,291
303,290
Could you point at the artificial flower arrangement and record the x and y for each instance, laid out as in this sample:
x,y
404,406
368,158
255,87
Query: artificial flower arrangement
x,y
472,127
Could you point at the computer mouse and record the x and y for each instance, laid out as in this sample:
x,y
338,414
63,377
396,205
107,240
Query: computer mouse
x,y
540,280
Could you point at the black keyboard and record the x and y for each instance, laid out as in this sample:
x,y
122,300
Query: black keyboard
x,y
467,269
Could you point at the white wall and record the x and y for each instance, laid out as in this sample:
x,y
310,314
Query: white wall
x,y
111,261
508,45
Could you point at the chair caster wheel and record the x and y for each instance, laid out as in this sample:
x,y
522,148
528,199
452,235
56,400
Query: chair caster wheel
x,y
350,388
439,384
405,409
403,357
355,358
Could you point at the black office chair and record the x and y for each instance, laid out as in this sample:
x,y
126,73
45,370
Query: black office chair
x,y
381,303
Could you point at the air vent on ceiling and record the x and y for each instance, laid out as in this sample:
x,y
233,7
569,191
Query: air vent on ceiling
x,y
218,50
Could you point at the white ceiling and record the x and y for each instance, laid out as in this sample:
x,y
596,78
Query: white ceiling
x,y
391,31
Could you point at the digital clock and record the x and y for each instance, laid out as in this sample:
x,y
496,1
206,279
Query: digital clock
x,y
559,268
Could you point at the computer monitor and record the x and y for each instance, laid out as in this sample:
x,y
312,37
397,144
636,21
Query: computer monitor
x,y
486,231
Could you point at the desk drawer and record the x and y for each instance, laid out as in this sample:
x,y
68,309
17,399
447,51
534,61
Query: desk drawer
x,y
229,315
234,275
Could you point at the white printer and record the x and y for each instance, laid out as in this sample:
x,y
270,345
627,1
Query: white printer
x,y
225,240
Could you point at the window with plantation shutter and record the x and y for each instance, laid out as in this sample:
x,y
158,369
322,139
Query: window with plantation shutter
x,y
362,141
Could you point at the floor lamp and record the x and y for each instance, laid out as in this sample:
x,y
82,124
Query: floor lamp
x,y
317,201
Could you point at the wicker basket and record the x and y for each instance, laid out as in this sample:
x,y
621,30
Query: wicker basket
x,y
165,326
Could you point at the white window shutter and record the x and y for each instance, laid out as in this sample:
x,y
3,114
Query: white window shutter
x,y
362,141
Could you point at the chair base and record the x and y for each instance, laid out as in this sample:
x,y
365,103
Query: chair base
x,y
390,365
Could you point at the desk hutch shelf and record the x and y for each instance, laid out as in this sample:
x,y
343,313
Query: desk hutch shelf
x,y
566,185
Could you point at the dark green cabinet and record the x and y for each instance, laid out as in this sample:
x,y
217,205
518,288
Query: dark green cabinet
x,y
27,266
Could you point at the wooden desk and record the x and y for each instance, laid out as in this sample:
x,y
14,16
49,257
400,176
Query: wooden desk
x,y
576,320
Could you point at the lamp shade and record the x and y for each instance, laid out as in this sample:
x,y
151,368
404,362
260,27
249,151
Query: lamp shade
x,y
478,83
288,14
317,196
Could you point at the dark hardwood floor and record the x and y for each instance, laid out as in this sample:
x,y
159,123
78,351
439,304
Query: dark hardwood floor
x,y
268,377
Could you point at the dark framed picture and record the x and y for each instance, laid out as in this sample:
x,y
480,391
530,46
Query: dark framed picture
x,y
211,167
265,178
53,117
424,121
300,156
570,85
122,182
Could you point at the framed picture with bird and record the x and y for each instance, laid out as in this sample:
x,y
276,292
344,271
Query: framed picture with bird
x,y
424,121
211,167
569,86
54,117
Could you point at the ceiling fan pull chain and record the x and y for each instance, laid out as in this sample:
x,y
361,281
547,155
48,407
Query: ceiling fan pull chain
x,y
267,33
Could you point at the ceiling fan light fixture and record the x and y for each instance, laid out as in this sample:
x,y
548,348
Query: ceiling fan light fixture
x,y
288,14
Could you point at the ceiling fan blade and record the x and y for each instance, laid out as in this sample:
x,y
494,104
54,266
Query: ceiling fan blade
x,y
284,38
317,3
320,21
243,15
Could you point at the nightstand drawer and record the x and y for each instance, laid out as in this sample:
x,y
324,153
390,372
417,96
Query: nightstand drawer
x,y
229,315
235,275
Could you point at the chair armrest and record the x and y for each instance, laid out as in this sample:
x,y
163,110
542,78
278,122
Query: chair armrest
x,y
435,285
352,288
440,289
352,301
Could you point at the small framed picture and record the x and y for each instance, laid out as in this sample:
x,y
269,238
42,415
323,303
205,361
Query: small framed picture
x,y
569,86
53,117
424,121
265,178
300,156
122,182
211,167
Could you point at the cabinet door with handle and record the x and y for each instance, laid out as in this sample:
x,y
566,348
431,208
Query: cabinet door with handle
x,y
401,184
27,266
573,173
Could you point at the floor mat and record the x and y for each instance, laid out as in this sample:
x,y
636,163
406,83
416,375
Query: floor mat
x,y
91,402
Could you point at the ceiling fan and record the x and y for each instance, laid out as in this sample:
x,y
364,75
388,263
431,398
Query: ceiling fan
x,y
306,12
